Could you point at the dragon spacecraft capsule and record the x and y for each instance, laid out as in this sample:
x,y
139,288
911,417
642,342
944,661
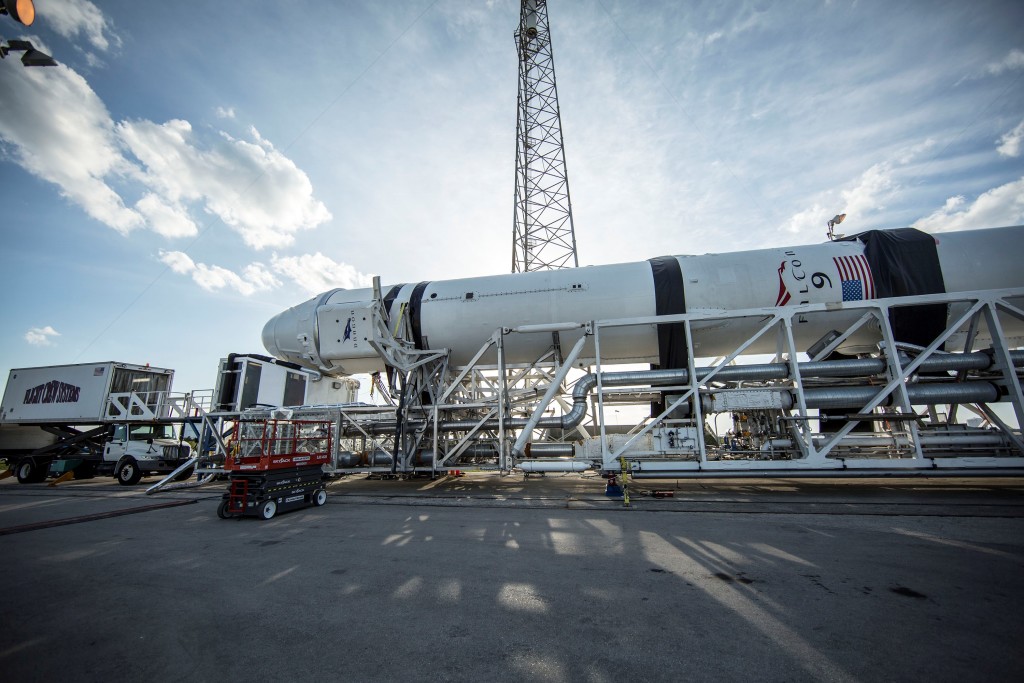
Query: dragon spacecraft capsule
x,y
328,333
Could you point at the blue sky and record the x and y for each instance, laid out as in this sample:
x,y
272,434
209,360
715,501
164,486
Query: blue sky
x,y
182,177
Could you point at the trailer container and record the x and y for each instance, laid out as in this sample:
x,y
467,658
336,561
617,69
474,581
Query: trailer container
x,y
90,418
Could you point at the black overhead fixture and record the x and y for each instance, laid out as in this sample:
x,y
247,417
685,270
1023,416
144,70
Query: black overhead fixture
x,y
22,11
32,56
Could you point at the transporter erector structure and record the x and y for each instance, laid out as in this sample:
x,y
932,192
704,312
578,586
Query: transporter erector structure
x,y
889,351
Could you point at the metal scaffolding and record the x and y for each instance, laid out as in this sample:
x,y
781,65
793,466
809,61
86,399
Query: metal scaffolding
x,y
543,234
890,410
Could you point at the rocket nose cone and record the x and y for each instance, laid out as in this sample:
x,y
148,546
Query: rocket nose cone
x,y
270,336
286,335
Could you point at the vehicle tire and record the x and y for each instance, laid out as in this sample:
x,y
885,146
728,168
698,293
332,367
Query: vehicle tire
x,y
222,509
85,471
187,474
319,497
268,509
28,471
128,472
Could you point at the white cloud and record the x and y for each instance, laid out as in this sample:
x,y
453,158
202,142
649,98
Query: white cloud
x,y
41,336
225,112
871,190
1003,205
249,185
259,277
73,17
808,219
1010,143
165,219
255,277
317,273
864,196
313,273
178,261
61,132
1013,60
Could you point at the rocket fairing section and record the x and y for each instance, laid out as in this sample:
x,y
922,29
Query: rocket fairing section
x,y
330,332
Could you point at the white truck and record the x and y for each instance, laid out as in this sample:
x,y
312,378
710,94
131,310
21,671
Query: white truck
x,y
92,418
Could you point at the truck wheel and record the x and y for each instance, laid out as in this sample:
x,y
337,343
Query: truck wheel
x,y
320,497
268,509
31,472
222,509
85,471
187,474
128,472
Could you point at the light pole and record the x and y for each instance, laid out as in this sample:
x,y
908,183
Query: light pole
x,y
23,12
836,220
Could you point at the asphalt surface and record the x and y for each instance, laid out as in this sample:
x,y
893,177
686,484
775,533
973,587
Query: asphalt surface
x,y
488,577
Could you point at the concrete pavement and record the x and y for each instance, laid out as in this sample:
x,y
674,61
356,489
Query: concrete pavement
x,y
496,578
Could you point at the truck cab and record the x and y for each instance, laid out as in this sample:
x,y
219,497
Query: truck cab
x,y
139,449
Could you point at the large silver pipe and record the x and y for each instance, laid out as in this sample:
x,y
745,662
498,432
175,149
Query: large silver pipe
x,y
828,397
920,394
900,440
549,450
533,450
854,367
925,471
858,367
553,466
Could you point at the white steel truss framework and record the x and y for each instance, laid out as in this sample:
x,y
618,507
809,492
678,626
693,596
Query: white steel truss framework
x,y
894,410
902,439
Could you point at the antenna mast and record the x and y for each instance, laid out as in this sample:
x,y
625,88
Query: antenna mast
x,y
543,235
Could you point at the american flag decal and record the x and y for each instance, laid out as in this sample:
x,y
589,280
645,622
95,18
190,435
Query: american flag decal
x,y
855,277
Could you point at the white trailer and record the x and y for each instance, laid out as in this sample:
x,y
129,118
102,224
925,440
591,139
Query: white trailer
x,y
250,380
89,418
76,394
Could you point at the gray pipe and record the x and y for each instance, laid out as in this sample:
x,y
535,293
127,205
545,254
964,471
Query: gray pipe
x,y
831,473
855,397
900,440
550,450
830,397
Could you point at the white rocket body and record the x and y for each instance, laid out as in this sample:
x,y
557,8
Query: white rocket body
x,y
328,332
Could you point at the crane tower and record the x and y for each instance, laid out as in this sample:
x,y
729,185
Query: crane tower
x,y
543,235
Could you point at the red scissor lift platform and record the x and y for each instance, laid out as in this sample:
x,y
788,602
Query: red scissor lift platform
x,y
276,466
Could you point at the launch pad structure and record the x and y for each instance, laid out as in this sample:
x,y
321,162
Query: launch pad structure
x,y
885,352
895,409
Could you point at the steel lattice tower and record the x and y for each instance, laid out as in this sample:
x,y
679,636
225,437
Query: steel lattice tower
x,y
543,235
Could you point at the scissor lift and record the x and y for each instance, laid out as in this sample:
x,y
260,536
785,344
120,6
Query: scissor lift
x,y
276,466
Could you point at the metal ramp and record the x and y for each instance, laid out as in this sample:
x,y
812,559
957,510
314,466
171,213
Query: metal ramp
x,y
191,408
